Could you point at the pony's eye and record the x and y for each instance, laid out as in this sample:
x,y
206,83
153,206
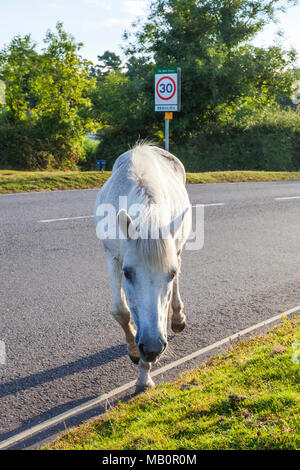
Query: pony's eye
x,y
128,274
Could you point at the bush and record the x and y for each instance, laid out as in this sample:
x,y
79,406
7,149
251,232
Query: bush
x,y
88,158
28,144
267,141
20,147
270,142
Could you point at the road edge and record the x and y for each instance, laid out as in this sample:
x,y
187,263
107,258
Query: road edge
x,y
113,393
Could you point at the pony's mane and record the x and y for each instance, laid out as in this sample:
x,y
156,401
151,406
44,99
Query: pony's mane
x,y
153,247
142,166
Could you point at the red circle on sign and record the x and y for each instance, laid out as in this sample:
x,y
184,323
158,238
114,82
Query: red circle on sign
x,y
169,97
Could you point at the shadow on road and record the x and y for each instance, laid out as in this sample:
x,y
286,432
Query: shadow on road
x,y
36,441
89,362
24,383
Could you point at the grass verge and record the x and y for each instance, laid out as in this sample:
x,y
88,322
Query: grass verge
x,y
246,399
23,181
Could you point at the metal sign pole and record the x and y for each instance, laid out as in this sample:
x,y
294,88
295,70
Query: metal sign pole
x,y
166,133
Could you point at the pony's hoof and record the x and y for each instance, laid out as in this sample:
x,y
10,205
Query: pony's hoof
x,y
140,388
134,359
178,327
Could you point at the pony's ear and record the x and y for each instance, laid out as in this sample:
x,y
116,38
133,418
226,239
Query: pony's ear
x,y
124,221
176,223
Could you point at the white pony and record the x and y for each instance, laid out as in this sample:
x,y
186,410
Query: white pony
x,y
143,218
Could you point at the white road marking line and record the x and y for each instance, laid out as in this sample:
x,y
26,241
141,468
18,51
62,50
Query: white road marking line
x,y
106,396
209,205
90,216
66,218
286,198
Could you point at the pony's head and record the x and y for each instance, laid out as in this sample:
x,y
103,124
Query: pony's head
x,y
150,265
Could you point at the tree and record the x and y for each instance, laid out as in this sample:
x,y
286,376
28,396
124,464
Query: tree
x,y
120,103
220,67
225,79
62,84
18,63
109,62
49,93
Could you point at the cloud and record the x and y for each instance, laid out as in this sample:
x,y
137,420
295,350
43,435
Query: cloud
x,y
55,5
134,7
98,3
109,22
115,21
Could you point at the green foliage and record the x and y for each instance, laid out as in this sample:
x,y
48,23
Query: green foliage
x,y
108,62
20,147
121,103
227,85
46,102
229,119
269,140
88,158
26,144
18,62
210,42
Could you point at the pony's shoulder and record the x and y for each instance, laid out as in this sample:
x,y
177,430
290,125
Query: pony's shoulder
x,y
142,152
174,162
140,156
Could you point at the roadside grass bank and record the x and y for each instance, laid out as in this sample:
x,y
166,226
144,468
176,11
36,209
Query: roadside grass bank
x,y
24,181
248,398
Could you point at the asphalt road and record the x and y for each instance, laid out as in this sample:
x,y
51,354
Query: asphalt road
x,y
62,345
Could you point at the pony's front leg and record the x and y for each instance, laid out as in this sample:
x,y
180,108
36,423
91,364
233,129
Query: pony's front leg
x,y
178,318
120,310
144,381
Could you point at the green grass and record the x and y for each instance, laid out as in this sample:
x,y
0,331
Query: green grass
x,y
246,399
23,181
241,176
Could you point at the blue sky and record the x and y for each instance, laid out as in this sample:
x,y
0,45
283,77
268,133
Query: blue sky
x,y
99,24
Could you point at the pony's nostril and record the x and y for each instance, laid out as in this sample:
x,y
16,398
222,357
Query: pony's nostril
x,y
151,356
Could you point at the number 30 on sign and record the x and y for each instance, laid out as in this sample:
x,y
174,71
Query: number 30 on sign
x,y
167,89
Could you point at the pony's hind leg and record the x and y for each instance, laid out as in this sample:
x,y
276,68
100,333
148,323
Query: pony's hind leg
x,y
120,310
178,318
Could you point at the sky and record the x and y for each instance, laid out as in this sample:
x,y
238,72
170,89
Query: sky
x,y
99,24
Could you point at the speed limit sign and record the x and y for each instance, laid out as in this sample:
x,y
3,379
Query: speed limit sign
x,y
167,89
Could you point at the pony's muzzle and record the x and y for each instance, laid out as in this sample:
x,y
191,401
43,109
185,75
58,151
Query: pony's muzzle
x,y
152,351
